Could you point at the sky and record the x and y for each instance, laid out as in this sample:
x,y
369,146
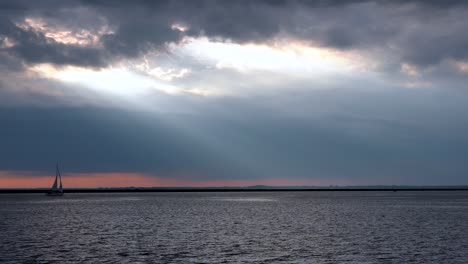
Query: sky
x,y
233,93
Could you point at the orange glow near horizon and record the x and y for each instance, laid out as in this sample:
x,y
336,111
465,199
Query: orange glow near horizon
x,y
96,180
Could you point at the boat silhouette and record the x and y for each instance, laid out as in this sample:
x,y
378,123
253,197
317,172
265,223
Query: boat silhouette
x,y
56,189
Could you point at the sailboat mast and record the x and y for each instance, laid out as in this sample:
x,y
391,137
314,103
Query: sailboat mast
x,y
54,191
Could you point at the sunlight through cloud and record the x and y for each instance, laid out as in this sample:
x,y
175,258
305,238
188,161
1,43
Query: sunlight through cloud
x,y
291,58
117,81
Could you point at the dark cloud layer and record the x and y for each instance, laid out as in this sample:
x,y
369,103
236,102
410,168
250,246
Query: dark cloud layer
x,y
353,128
419,32
389,137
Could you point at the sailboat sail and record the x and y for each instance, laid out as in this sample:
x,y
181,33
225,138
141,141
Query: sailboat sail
x,y
54,187
54,191
60,176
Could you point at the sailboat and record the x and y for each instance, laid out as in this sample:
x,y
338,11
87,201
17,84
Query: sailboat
x,y
56,191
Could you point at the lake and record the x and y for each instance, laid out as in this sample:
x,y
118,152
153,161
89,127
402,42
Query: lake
x,y
237,227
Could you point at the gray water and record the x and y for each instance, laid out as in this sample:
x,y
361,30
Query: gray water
x,y
266,227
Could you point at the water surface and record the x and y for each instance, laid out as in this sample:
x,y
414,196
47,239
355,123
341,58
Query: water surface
x,y
265,227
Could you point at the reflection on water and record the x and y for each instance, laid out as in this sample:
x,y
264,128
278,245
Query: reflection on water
x,y
287,227
83,199
243,199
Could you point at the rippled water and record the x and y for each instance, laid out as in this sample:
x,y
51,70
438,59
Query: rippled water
x,y
267,227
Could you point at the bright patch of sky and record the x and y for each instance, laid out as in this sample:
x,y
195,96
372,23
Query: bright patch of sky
x,y
166,71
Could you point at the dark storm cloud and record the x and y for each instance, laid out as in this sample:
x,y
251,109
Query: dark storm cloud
x,y
402,136
389,134
34,47
418,32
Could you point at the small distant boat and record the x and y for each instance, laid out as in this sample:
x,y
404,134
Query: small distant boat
x,y
56,190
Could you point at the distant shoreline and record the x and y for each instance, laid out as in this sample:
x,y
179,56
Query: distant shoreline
x,y
240,189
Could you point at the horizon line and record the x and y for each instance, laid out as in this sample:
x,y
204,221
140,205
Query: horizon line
x,y
256,188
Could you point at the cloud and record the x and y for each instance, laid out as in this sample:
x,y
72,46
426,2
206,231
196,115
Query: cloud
x,y
383,97
417,32
383,137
